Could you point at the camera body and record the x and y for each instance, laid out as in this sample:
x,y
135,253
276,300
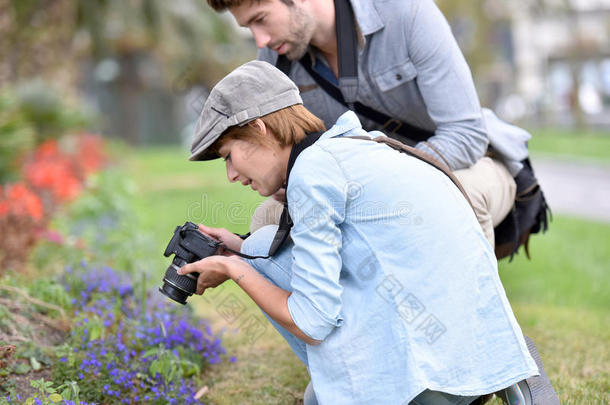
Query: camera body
x,y
188,245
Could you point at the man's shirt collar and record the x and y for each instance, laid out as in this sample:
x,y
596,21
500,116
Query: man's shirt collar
x,y
367,16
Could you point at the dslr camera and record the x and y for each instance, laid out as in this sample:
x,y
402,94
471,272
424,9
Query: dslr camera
x,y
188,245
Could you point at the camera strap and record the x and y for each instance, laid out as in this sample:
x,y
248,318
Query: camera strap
x,y
245,256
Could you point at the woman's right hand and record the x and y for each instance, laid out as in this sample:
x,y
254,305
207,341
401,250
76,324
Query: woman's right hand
x,y
228,238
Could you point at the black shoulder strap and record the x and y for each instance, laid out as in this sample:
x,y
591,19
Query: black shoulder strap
x,y
285,221
347,51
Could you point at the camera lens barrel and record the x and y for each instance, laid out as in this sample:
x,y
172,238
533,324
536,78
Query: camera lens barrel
x,y
188,245
178,287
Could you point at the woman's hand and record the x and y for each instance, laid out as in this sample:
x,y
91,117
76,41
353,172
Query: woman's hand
x,y
213,271
228,238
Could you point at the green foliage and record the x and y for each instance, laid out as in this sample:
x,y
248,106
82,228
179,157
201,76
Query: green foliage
x,y
172,367
6,318
44,108
48,393
17,136
49,291
101,225
35,354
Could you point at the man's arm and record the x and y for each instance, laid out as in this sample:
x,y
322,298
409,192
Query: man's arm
x,y
445,82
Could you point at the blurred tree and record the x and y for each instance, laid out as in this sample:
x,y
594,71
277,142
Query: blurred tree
x,y
139,54
36,40
147,48
44,37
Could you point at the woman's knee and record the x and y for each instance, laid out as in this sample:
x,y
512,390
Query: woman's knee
x,y
276,269
258,243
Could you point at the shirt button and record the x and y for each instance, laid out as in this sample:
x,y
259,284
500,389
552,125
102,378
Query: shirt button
x,y
398,76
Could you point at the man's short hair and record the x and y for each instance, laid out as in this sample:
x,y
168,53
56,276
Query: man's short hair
x,y
288,126
222,5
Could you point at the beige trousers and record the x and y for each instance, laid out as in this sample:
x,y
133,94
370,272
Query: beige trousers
x,y
268,212
488,183
491,190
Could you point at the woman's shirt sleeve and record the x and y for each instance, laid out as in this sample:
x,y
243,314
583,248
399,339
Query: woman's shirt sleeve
x,y
316,200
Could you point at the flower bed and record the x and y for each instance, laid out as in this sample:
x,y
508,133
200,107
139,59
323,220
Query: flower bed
x,y
132,348
127,347
126,342
90,333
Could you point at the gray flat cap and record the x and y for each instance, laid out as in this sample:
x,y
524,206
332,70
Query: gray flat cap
x,y
251,91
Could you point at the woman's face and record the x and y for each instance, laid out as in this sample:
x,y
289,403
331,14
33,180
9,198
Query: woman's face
x,y
261,167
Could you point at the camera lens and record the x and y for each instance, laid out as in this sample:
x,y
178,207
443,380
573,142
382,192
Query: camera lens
x,y
178,287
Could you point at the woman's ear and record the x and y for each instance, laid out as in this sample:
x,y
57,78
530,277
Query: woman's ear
x,y
259,125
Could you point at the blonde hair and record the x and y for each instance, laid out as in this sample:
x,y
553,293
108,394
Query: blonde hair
x,y
288,126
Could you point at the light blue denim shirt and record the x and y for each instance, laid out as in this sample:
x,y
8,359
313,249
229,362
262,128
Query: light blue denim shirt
x,y
412,69
391,271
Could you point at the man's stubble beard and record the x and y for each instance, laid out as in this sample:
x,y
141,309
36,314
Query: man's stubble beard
x,y
301,31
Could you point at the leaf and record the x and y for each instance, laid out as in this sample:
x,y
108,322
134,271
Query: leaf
x,y
150,352
22,368
66,394
75,388
55,398
35,364
154,368
95,332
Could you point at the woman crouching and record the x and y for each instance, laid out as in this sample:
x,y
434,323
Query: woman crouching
x,y
386,289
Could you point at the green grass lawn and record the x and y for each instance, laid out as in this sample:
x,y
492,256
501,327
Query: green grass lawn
x,y
561,297
579,145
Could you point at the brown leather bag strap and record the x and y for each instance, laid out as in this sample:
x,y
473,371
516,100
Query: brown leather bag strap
x,y
416,153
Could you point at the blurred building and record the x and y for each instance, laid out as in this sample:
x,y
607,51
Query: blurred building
x,y
551,60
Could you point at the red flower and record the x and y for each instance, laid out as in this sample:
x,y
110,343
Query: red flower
x,y
90,155
52,170
17,199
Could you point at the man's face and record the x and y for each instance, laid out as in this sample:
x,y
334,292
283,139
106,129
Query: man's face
x,y
275,25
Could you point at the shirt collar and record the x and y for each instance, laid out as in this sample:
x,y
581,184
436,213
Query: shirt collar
x,y
347,122
367,16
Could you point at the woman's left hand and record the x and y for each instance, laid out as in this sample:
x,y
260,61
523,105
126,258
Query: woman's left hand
x,y
213,271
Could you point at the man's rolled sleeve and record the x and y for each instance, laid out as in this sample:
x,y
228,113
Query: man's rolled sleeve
x,y
316,200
